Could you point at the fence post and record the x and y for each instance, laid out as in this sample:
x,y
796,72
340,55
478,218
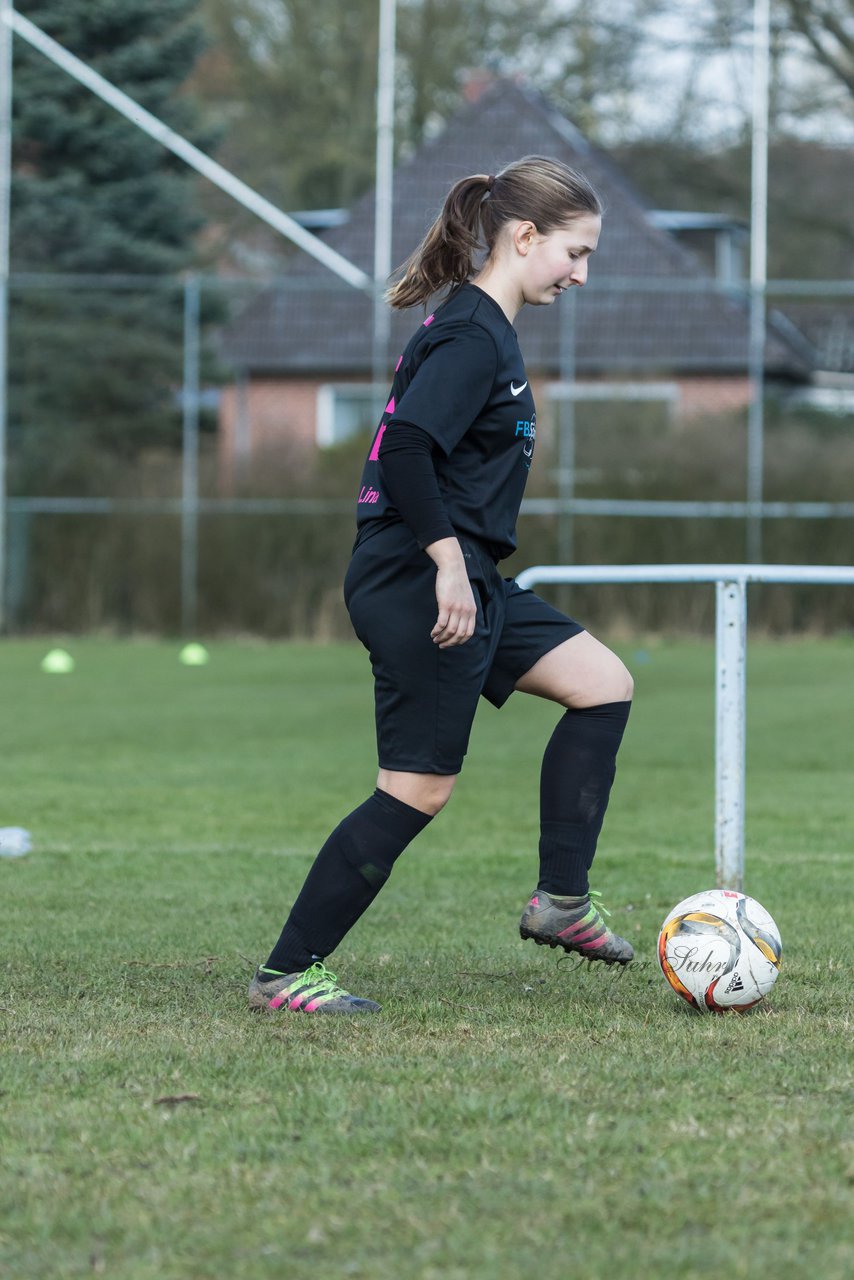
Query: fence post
x,y
190,458
5,190
566,444
730,685
758,278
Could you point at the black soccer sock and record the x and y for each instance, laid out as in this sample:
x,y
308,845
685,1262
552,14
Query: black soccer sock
x,y
578,769
346,876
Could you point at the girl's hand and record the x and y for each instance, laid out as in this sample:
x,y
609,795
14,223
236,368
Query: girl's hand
x,y
457,609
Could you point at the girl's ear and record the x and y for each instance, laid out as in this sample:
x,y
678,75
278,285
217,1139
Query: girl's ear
x,y
524,235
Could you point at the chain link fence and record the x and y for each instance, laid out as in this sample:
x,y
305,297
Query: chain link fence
x,y
184,455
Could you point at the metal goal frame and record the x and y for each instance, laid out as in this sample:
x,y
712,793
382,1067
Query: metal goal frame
x,y
731,582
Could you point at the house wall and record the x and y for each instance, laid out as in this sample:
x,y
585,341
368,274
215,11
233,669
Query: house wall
x,y
698,396
261,419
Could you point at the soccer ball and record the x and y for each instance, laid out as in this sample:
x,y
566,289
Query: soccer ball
x,y
720,950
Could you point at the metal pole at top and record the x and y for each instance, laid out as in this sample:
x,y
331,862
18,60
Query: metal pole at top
x,y
190,468
758,275
730,731
383,196
566,451
5,211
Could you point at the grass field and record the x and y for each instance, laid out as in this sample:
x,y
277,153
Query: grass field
x,y
508,1113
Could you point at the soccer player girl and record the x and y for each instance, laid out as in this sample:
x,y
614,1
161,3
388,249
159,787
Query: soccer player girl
x,y
438,502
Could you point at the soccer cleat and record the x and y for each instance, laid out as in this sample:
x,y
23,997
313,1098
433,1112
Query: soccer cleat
x,y
575,924
313,990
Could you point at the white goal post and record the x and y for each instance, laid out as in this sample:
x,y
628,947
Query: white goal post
x,y
730,667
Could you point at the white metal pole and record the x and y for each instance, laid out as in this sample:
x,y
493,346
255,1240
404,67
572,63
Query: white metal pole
x,y
190,468
730,732
383,197
5,210
197,159
758,276
566,439
841,575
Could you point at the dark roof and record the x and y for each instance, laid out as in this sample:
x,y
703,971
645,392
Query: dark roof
x,y
313,325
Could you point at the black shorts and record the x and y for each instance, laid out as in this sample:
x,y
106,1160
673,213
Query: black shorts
x,y
426,697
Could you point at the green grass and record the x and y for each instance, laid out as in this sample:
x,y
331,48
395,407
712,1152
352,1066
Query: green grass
x,y
507,1113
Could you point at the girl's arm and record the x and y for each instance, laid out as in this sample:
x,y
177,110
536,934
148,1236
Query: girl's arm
x,y
406,460
407,466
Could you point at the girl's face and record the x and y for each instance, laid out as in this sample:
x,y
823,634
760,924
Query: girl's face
x,y
553,262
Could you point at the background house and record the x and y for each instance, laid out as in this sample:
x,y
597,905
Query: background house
x,y
663,311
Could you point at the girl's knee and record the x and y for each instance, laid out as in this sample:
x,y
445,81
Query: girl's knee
x,y
429,792
609,680
581,672
436,792
623,684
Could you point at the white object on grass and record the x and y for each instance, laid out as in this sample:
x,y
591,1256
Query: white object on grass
x,y
14,842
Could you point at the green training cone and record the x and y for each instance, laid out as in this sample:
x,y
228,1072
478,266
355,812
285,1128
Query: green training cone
x,y
58,662
194,655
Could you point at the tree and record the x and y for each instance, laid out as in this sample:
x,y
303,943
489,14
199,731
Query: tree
x,y
584,55
93,194
293,82
693,167
812,63
827,26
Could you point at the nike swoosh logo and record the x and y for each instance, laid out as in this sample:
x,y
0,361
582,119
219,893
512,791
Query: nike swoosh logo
x,y
517,391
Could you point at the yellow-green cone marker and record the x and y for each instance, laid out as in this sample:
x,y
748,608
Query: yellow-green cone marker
x,y
194,655
58,662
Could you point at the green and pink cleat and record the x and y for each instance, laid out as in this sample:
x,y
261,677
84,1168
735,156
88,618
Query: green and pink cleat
x,y
576,924
314,990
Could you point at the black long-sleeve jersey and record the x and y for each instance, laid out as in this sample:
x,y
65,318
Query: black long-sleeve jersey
x,y
462,380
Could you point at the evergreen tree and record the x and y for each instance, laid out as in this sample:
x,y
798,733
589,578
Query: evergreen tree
x,y
94,371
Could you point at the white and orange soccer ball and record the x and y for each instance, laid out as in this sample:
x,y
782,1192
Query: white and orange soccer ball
x,y
720,950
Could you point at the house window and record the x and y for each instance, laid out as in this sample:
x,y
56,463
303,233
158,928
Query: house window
x,y
664,393
344,409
